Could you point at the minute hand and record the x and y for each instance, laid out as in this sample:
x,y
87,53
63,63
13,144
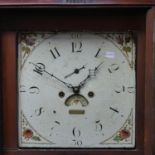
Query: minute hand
x,y
52,75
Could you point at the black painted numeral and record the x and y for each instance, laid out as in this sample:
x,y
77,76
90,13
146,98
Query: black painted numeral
x,y
76,47
39,68
55,53
39,111
131,89
113,68
120,89
113,109
77,142
125,89
99,126
22,89
96,55
57,122
76,134
30,90
34,90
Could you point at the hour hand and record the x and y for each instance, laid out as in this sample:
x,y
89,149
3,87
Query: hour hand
x,y
82,83
69,75
97,67
92,72
76,71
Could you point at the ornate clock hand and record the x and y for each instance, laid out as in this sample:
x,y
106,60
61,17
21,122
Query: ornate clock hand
x,y
52,75
76,71
92,72
97,67
82,83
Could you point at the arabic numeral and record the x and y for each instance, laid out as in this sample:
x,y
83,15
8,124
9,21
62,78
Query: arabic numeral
x,y
99,126
22,89
39,111
30,90
39,68
121,89
76,47
77,142
131,89
76,134
113,68
34,90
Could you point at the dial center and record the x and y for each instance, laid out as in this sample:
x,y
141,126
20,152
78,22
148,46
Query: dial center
x,y
76,71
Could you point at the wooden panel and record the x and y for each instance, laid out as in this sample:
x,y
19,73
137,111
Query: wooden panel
x,y
140,90
72,19
150,83
73,152
67,2
8,46
1,107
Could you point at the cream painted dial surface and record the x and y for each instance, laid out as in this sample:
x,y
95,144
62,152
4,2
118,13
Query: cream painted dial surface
x,y
76,90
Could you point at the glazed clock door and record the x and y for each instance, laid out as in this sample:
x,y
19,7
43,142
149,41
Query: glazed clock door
x,y
76,90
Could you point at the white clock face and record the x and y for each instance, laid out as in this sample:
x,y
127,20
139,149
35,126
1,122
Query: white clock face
x,y
76,90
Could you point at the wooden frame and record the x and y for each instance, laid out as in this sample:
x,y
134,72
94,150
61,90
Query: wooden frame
x,y
15,3
150,80
138,19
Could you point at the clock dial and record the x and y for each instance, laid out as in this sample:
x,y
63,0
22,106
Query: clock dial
x,y
76,90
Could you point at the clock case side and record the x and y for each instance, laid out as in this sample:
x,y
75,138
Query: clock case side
x,y
8,90
150,83
75,21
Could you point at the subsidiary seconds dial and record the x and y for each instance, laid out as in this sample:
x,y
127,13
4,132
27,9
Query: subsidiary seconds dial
x,y
76,90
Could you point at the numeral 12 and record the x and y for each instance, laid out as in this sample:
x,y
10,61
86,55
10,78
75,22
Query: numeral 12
x,y
76,47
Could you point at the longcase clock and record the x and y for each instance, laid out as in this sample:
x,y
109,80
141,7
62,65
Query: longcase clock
x,y
77,77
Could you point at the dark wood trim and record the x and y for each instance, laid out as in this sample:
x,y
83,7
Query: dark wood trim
x,y
77,19
150,83
8,47
75,2
1,106
140,99
69,152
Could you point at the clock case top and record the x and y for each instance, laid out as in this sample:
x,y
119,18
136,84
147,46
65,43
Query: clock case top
x,y
42,3
138,19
